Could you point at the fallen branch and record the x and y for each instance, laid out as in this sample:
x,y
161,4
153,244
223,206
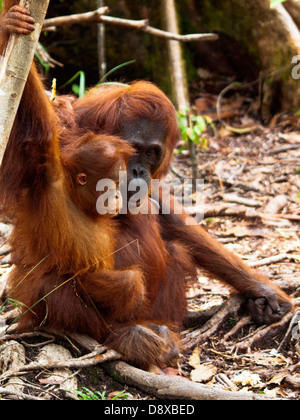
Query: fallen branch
x,y
232,198
72,363
142,25
267,261
283,149
4,391
294,217
165,387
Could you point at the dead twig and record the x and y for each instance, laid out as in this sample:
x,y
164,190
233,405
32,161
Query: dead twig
x,y
81,18
241,324
262,333
232,198
4,391
72,363
293,322
229,308
97,16
283,149
267,261
293,217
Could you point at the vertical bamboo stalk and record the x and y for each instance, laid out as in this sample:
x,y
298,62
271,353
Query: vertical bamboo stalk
x,y
15,68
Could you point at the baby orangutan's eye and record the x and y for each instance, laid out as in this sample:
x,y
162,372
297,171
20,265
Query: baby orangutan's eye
x,y
81,179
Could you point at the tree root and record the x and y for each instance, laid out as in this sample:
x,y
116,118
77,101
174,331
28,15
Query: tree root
x,y
165,387
228,309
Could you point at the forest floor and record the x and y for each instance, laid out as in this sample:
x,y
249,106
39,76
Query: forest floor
x,y
251,190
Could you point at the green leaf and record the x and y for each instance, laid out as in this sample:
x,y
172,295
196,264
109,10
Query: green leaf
x,y
275,3
114,70
184,134
191,134
81,88
183,123
75,89
201,123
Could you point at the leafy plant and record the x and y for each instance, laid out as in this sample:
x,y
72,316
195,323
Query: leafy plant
x,y
114,70
193,127
78,89
85,394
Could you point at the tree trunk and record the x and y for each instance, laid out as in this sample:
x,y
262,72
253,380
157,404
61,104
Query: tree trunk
x,y
15,68
178,73
271,37
101,44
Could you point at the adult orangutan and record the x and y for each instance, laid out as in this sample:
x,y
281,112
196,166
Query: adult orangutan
x,y
143,116
76,269
84,272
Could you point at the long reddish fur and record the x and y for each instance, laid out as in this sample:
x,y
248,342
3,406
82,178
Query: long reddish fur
x,y
120,281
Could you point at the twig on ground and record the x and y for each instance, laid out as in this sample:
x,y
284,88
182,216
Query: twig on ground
x,y
73,363
241,324
247,344
293,322
293,217
233,198
229,308
267,261
283,149
4,391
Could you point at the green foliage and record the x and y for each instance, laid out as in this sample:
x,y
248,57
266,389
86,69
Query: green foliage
x,y
45,66
232,321
115,69
79,89
193,127
0,5
275,3
85,394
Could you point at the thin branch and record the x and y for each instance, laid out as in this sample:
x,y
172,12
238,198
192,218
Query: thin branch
x,y
4,391
72,363
70,20
142,25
